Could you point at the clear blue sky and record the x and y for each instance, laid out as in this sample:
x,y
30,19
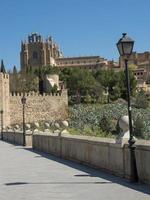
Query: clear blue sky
x,y
81,27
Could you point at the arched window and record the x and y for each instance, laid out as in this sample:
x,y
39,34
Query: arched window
x,y
35,55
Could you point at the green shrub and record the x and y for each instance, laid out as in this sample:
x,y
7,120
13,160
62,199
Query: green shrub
x,y
139,127
106,124
88,99
141,100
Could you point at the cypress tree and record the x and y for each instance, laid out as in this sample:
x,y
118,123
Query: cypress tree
x,y
2,69
30,70
14,70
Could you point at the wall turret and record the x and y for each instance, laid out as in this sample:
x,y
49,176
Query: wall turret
x,y
4,99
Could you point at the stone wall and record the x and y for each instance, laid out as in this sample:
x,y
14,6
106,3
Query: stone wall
x,y
39,108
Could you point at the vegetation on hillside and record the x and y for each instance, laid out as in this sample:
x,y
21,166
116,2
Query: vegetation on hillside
x,y
102,119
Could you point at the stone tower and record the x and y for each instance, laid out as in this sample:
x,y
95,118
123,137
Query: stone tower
x,y
4,100
37,52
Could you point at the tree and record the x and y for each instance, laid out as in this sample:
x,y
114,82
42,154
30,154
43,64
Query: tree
x,y
132,66
14,70
13,76
133,84
54,89
109,79
65,74
116,83
88,98
23,82
80,82
2,67
106,77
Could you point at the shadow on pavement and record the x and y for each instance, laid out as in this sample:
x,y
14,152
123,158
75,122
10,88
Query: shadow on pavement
x,y
87,172
56,182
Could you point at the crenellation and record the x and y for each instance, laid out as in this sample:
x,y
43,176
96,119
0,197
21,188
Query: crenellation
x,y
36,94
12,94
5,76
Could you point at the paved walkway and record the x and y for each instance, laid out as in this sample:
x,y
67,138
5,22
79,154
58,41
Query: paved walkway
x,y
28,175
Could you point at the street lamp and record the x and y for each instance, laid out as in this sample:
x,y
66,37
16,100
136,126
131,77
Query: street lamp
x,y
125,47
1,124
23,101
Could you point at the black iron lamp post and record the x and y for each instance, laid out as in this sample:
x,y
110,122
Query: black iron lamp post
x,y
1,124
125,47
23,101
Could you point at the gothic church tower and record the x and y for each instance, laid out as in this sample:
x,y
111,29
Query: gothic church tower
x,y
37,52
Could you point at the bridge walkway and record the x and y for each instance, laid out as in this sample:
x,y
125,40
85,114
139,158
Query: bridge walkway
x,y
30,175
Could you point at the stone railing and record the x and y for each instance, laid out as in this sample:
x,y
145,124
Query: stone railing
x,y
99,153
16,137
143,160
96,152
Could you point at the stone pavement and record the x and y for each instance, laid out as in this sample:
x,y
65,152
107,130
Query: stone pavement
x,y
29,175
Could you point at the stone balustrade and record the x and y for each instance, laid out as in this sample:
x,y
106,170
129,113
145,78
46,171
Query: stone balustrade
x,y
96,152
101,153
16,137
143,160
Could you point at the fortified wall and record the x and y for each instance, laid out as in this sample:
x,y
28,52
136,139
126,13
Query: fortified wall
x,y
37,108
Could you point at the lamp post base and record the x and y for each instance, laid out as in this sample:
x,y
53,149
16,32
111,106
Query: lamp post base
x,y
133,166
24,139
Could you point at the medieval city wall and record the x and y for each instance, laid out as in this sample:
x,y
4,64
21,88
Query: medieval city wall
x,y
38,107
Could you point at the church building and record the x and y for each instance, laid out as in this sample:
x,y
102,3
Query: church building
x,y
38,52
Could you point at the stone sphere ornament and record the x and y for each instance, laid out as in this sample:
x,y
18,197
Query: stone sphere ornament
x,y
65,124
